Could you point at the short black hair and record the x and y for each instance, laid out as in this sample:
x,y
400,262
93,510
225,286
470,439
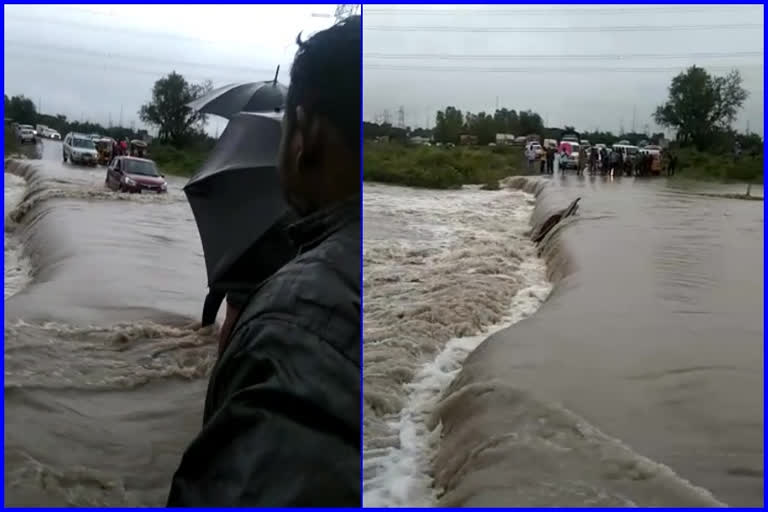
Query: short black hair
x,y
325,79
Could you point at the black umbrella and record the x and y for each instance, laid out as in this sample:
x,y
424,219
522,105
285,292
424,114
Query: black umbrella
x,y
232,99
236,197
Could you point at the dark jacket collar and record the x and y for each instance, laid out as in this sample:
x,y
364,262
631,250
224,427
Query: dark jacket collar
x,y
316,227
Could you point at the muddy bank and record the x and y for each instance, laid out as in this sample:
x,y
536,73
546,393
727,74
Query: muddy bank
x,y
639,381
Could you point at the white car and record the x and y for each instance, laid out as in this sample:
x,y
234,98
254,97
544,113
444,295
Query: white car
x,y
53,134
26,135
79,149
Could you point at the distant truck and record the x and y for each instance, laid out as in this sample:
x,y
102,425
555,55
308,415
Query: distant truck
x,y
41,129
504,139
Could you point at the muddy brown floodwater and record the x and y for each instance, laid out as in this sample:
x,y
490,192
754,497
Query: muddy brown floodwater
x,y
104,372
639,380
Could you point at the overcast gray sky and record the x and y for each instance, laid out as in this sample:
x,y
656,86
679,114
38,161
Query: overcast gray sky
x,y
89,61
519,56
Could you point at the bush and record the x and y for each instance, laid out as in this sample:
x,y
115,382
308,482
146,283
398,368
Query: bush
x,y
182,162
698,165
11,145
437,167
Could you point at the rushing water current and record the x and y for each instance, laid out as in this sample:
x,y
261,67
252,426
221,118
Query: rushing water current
x,y
104,371
636,381
618,362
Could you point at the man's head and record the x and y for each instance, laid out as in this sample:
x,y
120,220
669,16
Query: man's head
x,y
320,150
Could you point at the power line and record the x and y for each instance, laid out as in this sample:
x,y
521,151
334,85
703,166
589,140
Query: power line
x,y
548,12
558,69
107,67
572,29
561,56
109,55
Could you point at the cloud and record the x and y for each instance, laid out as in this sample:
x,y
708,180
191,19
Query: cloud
x,y
592,67
96,61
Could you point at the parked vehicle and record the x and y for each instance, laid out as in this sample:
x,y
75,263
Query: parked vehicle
x,y
53,134
627,149
138,148
550,143
104,150
136,175
26,135
571,138
79,149
533,151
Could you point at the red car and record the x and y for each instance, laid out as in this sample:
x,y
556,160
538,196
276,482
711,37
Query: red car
x,y
132,174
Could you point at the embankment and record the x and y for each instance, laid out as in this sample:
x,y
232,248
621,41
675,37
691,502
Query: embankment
x,y
509,442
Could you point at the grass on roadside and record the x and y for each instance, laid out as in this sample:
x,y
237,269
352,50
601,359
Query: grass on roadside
x,y
10,143
696,165
438,167
181,162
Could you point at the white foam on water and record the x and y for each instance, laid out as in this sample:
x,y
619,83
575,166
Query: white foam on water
x,y
403,478
444,270
17,269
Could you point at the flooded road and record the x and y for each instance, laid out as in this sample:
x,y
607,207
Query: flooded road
x,y
104,373
639,381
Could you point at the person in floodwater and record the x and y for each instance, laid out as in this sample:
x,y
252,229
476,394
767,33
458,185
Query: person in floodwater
x,y
604,164
593,159
550,159
281,425
671,163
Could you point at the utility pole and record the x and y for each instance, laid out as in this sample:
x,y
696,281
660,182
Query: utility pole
x,y
401,117
634,115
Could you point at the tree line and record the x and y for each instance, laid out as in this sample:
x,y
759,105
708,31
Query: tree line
x,y
700,108
166,110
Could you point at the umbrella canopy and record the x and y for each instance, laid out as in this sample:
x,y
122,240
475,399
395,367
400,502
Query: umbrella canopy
x,y
236,196
232,99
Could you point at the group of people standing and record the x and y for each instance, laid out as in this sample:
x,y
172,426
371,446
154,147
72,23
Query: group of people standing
x,y
604,162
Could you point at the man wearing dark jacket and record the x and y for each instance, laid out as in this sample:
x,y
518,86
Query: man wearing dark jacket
x,y
282,414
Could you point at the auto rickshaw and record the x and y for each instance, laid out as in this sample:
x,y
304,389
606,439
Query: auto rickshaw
x,y
655,152
138,148
104,150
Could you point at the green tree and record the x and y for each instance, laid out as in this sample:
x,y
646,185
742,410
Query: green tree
x,y
530,123
449,125
506,121
481,125
700,105
21,109
168,109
